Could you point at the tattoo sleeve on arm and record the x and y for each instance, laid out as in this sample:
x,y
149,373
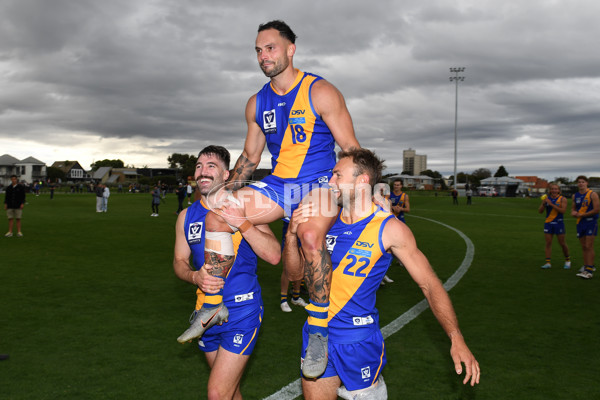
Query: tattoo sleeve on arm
x,y
242,171
221,263
318,276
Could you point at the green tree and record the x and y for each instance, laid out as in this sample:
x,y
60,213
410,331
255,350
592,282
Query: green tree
x,y
54,174
562,179
432,174
107,163
501,172
479,174
185,162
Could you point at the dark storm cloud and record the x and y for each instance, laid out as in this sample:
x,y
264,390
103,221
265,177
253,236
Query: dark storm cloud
x,y
177,75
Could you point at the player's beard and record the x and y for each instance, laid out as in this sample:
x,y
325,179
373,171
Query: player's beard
x,y
278,67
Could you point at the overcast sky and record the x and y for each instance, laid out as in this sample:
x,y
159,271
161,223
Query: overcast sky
x,y
139,80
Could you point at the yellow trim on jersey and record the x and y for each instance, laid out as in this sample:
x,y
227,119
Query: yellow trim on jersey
x,y
345,285
200,296
585,204
554,211
380,362
293,150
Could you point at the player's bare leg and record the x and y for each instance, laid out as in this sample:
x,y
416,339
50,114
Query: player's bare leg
x,y
321,389
226,373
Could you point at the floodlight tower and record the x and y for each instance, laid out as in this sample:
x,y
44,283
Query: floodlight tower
x,y
456,79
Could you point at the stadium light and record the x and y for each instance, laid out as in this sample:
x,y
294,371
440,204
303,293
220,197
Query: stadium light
x,y
456,79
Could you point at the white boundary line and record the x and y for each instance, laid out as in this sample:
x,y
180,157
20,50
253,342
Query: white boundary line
x,y
294,389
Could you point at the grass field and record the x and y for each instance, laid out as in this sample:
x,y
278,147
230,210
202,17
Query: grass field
x,y
90,308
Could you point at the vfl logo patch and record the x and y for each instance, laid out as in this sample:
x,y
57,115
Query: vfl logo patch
x,y
330,240
269,120
244,297
365,372
195,232
238,339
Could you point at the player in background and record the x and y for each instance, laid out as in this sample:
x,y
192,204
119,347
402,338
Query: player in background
x,y
555,206
399,200
585,208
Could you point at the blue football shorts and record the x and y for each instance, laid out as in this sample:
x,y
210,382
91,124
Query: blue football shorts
x,y
587,227
236,336
554,228
288,193
358,365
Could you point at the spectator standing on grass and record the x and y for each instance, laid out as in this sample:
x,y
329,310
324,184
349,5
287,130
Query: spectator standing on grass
x,y
99,190
585,208
105,196
156,197
181,193
51,187
454,196
14,201
189,193
469,194
555,206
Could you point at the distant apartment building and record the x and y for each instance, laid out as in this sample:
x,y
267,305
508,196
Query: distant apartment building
x,y
413,163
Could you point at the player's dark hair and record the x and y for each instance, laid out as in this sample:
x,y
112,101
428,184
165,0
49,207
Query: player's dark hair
x,y
582,177
365,162
284,30
398,180
219,151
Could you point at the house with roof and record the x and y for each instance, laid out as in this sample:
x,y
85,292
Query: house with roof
x,y
532,185
7,168
101,175
124,175
419,182
29,170
72,169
